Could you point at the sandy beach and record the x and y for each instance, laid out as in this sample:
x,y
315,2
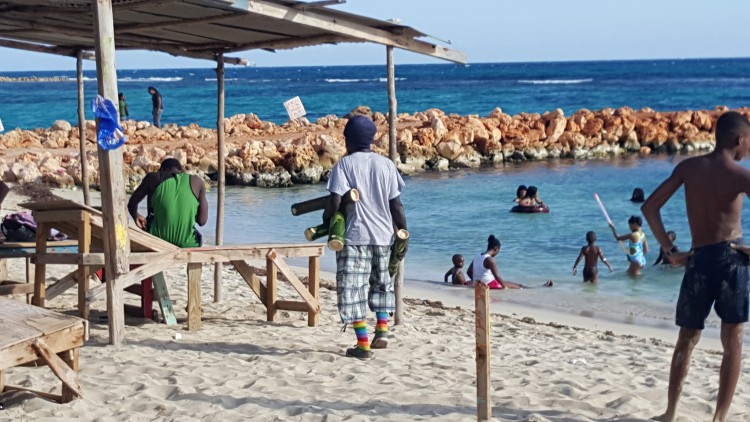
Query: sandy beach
x,y
545,366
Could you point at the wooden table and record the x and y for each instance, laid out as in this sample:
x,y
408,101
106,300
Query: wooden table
x,y
30,334
25,250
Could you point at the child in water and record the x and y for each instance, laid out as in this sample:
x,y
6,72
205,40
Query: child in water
x,y
592,253
456,272
664,258
520,194
637,247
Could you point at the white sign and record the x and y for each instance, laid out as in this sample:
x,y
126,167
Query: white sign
x,y
294,108
1,126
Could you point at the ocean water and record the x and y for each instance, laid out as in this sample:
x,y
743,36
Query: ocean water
x,y
190,94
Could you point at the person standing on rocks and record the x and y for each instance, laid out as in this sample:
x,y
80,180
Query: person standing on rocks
x,y
362,277
176,201
157,105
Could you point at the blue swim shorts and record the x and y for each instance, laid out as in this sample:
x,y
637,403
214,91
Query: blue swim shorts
x,y
715,275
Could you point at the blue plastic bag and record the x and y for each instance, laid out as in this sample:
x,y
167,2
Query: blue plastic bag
x,y
109,134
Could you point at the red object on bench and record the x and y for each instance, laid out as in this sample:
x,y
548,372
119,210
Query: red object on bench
x,y
145,291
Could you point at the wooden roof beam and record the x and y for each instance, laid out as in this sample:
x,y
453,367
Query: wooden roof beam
x,y
348,29
316,4
182,22
282,44
183,53
39,48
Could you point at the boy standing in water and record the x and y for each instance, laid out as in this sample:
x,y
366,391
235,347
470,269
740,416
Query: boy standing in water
x,y
592,253
456,273
717,265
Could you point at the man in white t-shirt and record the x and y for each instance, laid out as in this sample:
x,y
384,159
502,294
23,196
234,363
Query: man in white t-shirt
x,y
362,277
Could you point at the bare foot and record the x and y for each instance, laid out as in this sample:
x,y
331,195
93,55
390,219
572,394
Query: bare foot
x,y
664,418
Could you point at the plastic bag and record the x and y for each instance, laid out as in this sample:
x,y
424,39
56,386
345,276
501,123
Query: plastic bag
x,y
109,132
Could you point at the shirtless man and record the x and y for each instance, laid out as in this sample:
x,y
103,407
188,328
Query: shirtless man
x,y
592,252
717,265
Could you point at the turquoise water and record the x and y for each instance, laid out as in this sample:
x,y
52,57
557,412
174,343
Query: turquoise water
x,y
454,212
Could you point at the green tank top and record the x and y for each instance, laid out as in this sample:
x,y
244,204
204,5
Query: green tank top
x,y
174,206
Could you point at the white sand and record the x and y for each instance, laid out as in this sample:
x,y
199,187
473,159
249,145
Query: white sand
x,y
240,367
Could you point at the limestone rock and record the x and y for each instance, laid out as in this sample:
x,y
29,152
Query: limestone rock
x,y
61,125
449,148
279,178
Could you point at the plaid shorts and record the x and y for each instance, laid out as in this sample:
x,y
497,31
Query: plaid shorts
x,y
362,278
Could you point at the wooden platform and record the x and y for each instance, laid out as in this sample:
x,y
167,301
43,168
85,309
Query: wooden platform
x,y
29,333
155,255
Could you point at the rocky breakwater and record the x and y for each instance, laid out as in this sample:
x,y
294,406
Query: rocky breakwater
x,y
261,153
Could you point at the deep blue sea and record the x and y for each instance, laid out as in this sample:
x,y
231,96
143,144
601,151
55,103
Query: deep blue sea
x,y
190,94
454,212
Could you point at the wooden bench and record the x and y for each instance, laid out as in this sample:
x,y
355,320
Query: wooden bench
x,y
154,255
32,334
25,250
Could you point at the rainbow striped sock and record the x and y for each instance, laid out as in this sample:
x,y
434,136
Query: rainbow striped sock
x,y
382,325
360,329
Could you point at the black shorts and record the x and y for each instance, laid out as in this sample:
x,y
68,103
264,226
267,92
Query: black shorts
x,y
715,275
589,273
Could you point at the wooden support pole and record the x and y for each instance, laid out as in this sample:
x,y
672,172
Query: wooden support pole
x,y
194,297
221,170
482,315
398,291
313,283
392,105
271,282
40,273
70,357
82,130
84,243
112,185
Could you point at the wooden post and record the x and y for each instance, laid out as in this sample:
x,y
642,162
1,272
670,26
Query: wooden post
x,y
82,130
40,273
221,170
271,282
482,315
112,185
70,357
392,105
84,243
313,281
398,291
194,296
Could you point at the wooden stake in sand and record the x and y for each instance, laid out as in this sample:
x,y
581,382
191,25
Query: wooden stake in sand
x,y
82,130
482,313
221,170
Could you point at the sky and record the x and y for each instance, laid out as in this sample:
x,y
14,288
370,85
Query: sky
x,y
498,31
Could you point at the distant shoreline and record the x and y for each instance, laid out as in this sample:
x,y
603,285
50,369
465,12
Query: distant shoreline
x,y
6,79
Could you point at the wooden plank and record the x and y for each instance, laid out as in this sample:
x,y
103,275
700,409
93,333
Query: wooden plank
x,y
162,296
70,358
482,315
31,246
160,262
313,283
248,274
271,282
67,375
194,297
3,269
16,288
2,381
18,45
84,243
59,205
56,216
49,396
312,303
221,170
392,104
62,285
292,305
346,28
59,341
112,185
40,272
82,130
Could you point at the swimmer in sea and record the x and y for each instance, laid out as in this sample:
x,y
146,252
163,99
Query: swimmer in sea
x,y
592,253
